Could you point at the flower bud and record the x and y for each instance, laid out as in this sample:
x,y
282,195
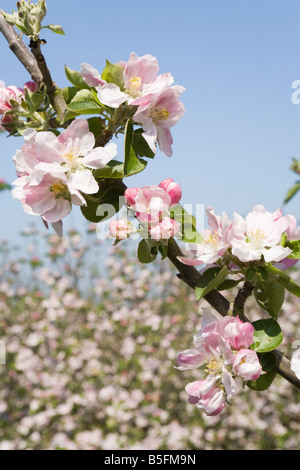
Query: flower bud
x,y
130,195
173,189
120,229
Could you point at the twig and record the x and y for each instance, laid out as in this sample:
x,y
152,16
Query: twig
x,y
21,51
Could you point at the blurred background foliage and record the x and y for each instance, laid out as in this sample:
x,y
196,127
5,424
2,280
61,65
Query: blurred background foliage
x,y
90,355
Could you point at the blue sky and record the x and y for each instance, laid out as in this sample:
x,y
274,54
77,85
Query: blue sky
x,y
237,60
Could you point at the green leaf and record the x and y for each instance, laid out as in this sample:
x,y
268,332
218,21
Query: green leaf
x,y
228,284
250,274
68,93
210,279
292,192
95,125
267,335
113,73
132,163
103,205
294,245
55,28
145,251
140,145
187,222
284,279
270,296
113,169
268,363
75,78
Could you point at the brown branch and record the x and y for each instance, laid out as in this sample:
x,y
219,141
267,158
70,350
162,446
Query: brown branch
x,y
55,95
239,303
191,276
21,51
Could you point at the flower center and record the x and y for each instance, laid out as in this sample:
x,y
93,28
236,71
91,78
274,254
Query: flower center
x,y
214,366
256,237
159,114
59,189
72,158
212,239
135,85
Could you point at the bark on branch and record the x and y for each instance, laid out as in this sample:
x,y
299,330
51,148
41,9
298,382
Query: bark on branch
x,y
21,51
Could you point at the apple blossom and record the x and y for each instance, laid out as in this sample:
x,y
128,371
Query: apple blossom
x,y
246,364
46,195
219,346
71,153
157,114
120,229
215,241
295,363
173,189
164,230
259,235
139,77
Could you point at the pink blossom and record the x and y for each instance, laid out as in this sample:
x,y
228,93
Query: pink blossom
x,y
259,234
7,94
90,75
208,397
120,229
26,159
173,189
157,114
295,363
215,242
219,346
73,153
130,195
45,195
140,80
30,86
165,229
246,365
151,203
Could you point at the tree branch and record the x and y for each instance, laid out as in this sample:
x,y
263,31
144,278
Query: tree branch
x,y
21,51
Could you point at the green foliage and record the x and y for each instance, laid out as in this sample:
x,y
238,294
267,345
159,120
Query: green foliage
x,y
270,296
147,251
132,163
103,205
113,73
267,335
211,279
292,192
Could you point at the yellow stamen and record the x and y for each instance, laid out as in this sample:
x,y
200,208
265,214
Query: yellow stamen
x,y
160,114
59,189
135,86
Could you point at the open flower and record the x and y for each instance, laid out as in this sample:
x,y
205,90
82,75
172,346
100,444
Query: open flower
x,y
73,153
140,80
215,241
259,235
219,347
157,114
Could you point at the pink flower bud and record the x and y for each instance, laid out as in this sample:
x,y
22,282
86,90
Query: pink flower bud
x,y
246,365
173,189
130,195
165,230
30,86
120,229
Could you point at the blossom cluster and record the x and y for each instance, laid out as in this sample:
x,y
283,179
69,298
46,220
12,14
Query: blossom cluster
x,y
11,98
155,97
222,345
151,206
55,171
261,235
